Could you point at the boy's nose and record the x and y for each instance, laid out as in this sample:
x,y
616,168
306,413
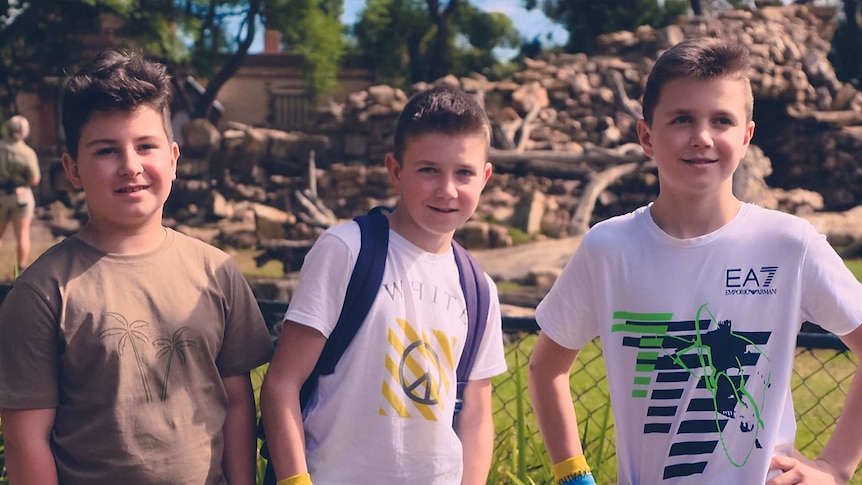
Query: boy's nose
x,y
702,136
447,188
130,164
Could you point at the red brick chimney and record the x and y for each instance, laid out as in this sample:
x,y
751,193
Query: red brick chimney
x,y
271,41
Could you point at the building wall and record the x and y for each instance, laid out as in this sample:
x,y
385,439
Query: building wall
x,y
247,96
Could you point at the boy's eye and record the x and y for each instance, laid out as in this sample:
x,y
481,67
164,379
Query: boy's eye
x,y
466,172
106,151
147,146
723,120
681,119
427,170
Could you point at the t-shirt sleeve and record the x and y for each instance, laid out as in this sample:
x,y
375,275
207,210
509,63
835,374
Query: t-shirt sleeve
x,y
490,360
565,314
831,295
246,343
30,350
33,164
323,279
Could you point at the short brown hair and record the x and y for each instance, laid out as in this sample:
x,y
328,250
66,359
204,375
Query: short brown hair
x,y
440,109
699,58
114,81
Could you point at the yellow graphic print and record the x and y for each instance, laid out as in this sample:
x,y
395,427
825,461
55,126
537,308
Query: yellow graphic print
x,y
418,368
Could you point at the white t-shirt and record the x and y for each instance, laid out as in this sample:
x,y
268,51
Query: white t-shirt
x,y
698,337
385,414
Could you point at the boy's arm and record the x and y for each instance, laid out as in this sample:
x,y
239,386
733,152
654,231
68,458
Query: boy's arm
x,y
27,438
295,356
239,437
551,395
842,453
475,427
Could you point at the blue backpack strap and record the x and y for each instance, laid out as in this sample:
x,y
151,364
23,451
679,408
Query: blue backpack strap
x,y
360,295
477,296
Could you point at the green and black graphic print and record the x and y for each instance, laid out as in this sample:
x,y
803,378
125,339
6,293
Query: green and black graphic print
x,y
724,411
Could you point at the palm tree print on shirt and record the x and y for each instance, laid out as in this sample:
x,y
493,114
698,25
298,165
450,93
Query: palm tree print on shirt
x,y
171,347
129,332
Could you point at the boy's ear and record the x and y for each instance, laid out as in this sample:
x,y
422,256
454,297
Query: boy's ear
x,y
645,137
70,166
746,140
394,169
175,155
749,133
489,169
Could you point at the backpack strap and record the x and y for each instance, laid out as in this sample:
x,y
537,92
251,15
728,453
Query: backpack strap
x,y
477,296
360,295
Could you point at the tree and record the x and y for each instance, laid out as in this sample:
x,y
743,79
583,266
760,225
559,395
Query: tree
x,y
214,48
585,21
312,29
403,43
389,37
845,54
39,39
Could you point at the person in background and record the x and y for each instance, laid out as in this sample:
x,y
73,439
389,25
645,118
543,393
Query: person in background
x,y
19,171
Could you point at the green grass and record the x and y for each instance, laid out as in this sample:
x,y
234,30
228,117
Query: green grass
x,y
819,384
244,259
855,266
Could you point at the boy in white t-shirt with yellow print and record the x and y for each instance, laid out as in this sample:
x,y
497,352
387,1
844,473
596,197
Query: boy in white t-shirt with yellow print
x,y
385,414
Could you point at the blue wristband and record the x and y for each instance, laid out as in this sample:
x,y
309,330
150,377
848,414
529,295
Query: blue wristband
x,y
586,479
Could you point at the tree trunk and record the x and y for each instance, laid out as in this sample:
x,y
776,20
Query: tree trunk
x,y
854,34
437,66
231,66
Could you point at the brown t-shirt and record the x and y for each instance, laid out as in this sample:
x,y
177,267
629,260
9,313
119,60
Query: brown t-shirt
x,y
131,350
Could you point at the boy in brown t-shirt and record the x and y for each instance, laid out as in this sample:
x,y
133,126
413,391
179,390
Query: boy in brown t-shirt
x,y
125,350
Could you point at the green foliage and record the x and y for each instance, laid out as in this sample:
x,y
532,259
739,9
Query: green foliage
x,y
585,21
39,39
855,266
313,30
397,39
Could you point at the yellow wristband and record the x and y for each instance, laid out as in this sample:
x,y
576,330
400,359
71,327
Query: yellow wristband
x,y
571,467
301,479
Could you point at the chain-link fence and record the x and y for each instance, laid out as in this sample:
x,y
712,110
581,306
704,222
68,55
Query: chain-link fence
x,y
822,373
823,370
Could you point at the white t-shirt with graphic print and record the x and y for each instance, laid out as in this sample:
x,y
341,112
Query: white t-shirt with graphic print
x,y
385,415
698,337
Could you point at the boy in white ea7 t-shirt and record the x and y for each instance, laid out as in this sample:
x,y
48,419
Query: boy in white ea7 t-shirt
x,y
697,299
385,414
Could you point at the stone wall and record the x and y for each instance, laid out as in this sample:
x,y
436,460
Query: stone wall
x,y
257,187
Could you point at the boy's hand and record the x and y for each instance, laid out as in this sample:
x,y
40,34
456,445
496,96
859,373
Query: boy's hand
x,y
798,469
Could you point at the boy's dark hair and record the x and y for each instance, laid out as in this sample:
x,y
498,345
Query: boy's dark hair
x,y
701,59
114,81
441,109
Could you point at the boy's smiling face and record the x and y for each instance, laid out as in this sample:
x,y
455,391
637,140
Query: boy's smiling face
x,y
125,164
440,180
698,136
